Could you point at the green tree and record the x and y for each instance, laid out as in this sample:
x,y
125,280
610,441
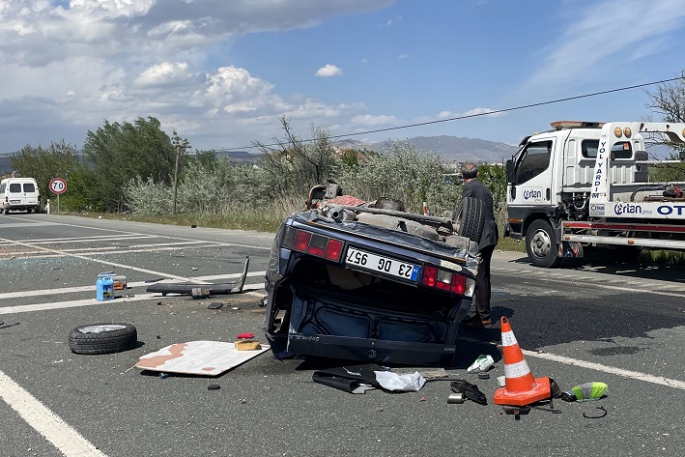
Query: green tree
x,y
120,152
404,174
208,160
59,160
668,105
495,178
297,165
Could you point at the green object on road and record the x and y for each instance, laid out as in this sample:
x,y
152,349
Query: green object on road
x,y
586,392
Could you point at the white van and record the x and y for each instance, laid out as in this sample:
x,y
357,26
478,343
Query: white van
x,y
19,194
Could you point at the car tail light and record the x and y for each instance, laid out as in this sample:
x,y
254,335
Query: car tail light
x,y
444,280
458,284
302,241
316,245
333,249
430,276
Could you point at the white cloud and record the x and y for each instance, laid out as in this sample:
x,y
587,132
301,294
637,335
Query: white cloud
x,y
374,121
393,21
328,70
164,74
606,33
403,56
233,90
78,63
488,112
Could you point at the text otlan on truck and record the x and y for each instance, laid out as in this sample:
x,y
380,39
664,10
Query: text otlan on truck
x,y
585,185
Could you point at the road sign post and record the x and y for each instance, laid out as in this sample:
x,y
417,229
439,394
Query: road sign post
x,y
58,186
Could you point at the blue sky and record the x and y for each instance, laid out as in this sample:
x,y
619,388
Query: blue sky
x,y
222,72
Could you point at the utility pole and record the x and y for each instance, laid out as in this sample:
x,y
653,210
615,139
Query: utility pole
x,y
178,157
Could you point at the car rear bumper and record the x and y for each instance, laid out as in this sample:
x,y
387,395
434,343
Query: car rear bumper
x,y
372,350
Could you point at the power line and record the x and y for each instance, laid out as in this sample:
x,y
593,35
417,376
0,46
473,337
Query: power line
x,y
487,113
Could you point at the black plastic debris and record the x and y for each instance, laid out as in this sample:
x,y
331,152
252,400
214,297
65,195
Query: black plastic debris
x,y
356,379
599,416
469,390
214,289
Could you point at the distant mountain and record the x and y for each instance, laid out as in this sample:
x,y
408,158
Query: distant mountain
x,y
459,149
450,148
239,156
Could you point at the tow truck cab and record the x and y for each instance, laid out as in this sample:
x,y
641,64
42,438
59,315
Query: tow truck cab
x,y
594,172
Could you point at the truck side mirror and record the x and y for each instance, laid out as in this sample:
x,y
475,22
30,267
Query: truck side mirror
x,y
509,168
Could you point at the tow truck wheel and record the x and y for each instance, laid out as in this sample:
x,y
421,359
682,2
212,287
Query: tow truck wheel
x,y
541,244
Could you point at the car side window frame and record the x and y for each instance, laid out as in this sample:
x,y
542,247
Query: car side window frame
x,y
528,167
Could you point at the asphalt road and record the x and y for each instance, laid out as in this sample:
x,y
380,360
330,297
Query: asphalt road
x,y
584,322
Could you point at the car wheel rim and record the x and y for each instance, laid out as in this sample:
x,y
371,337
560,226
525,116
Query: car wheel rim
x,y
541,244
101,328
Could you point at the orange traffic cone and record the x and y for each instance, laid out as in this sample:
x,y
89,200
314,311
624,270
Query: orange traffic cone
x,y
521,388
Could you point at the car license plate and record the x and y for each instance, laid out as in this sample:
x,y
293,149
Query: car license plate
x,y
381,264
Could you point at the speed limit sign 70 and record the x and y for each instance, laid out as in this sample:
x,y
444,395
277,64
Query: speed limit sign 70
x,y
58,186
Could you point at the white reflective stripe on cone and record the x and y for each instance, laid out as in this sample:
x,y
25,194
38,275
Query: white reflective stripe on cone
x,y
516,370
508,338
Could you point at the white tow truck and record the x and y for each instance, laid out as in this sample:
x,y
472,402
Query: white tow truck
x,y
585,185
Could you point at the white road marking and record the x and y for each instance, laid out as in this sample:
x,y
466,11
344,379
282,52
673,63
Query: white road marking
x,y
110,264
608,369
87,239
65,438
599,283
60,434
131,285
137,233
91,301
22,224
107,250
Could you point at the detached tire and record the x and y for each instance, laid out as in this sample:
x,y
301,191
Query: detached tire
x,y
541,244
102,338
470,218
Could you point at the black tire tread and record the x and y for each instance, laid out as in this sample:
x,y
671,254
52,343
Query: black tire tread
x,y
103,343
471,215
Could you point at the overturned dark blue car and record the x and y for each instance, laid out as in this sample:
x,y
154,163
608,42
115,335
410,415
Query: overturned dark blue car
x,y
368,281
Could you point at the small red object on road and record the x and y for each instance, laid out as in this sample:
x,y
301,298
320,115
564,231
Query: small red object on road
x,y
245,336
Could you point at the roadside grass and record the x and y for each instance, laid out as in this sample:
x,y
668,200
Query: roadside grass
x,y
257,221
674,258
510,244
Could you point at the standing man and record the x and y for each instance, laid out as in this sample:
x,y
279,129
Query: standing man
x,y
486,246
